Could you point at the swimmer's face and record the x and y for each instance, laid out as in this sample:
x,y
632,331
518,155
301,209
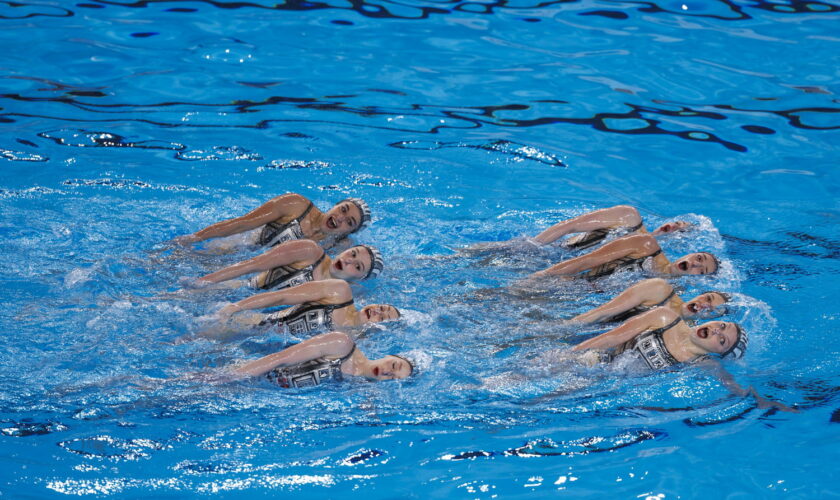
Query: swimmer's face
x,y
343,218
695,263
389,368
715,336
672,227
703,303
378,313
351,264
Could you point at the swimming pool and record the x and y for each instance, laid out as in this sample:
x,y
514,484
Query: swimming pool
x,y
126,123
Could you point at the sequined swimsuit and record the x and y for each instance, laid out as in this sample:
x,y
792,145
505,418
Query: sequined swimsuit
x,y
649,346
287,276
304,318
309,373
275,233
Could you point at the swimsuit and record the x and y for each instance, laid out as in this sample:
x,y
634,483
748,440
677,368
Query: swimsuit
x,y
592,238
275,233
287,276
309,373
304,318
650,346
622,263
624,316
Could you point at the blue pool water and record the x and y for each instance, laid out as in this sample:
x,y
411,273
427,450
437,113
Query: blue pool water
x,y
127,123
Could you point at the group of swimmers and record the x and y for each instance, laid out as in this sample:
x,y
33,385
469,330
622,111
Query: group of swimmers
x,y
296,266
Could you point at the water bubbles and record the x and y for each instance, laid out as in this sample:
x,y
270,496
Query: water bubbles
x,y
228,153
12,155
226,51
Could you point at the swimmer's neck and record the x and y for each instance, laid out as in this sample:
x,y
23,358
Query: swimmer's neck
x,y
316,221
355,316
662,264
324,269
357,365
675,304
679,344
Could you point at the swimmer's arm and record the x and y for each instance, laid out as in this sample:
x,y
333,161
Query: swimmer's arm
x,y
729,382
618,216
623,333
638,244
333,344
650,291
285,254
327,292
272,210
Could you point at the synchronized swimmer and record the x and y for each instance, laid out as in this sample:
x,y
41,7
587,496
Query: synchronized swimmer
x,y
300,261
649,294
318,306
326,357
290,217
661,338
635,252
594,227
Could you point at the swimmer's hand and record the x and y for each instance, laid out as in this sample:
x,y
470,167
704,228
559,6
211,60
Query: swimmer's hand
x,y
185,240
589,358
219,376
765,403
478,249
226,312
189,282
485,247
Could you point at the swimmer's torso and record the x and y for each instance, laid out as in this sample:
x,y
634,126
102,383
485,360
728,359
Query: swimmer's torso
x,y
649,346
309,373
286,276
277,232
309,317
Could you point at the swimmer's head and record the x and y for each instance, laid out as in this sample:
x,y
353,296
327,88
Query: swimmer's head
x,y
696,263
704,305
347,216
389,368
379,313
672,227
358,262
720,337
